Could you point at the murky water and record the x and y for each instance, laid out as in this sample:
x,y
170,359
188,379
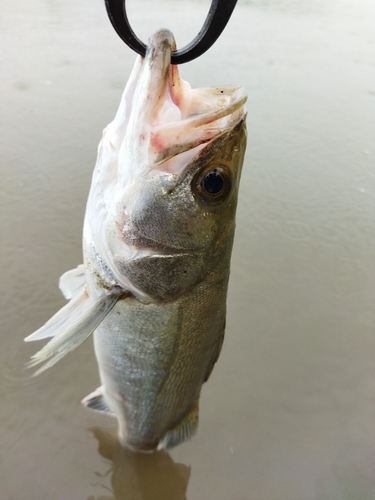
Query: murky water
x,y
289,412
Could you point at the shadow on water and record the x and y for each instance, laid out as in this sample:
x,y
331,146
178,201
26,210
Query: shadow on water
x,y
153,476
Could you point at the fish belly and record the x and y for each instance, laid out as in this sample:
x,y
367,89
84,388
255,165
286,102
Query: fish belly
x,y
153,359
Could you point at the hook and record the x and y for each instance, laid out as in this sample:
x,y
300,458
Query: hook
x,y
216,20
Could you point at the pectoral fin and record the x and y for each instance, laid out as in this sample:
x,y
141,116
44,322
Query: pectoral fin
x,y
71,326
61,321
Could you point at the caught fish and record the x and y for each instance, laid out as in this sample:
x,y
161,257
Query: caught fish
x,y
157,242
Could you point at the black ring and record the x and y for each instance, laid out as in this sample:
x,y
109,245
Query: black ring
x,y
216,20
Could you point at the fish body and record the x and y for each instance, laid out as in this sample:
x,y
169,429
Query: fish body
x,y
157,242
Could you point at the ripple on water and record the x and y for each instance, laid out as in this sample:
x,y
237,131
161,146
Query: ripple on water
x,y
25,400
296,230
15,382
13,372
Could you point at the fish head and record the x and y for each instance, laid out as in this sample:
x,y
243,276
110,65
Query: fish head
x,y
161,211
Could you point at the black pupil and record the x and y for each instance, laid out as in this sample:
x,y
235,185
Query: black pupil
x,y
213,182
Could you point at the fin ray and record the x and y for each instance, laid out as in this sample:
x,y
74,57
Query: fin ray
x,y
184,431
56,325
73,282
74,330
96,401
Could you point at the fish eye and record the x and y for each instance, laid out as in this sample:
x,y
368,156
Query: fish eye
x,y
212,184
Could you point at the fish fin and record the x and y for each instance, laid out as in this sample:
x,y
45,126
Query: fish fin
x,y
57,325
184,431
73,282
95,401
216,354
73,328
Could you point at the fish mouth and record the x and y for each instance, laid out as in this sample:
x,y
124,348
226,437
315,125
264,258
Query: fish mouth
x,y
220,109
166,117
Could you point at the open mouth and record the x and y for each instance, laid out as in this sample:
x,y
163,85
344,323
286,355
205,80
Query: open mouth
x,y
213,111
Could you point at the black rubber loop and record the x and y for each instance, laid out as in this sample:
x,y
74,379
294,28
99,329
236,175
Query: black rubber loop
x,y
217,18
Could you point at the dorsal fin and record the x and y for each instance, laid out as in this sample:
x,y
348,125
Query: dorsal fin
x,y
73,282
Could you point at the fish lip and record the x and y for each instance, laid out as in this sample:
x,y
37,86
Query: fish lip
x,y
238,100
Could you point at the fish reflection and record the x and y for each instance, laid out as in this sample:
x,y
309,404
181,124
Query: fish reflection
x,y
141,476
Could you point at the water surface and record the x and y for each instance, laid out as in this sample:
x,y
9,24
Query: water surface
x,y
289,411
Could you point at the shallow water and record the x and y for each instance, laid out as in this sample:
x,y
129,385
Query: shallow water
x,y
289,411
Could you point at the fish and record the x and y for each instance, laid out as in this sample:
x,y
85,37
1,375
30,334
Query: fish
x,y
157,241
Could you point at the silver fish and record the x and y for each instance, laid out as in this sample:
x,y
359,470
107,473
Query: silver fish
x,y
157,242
